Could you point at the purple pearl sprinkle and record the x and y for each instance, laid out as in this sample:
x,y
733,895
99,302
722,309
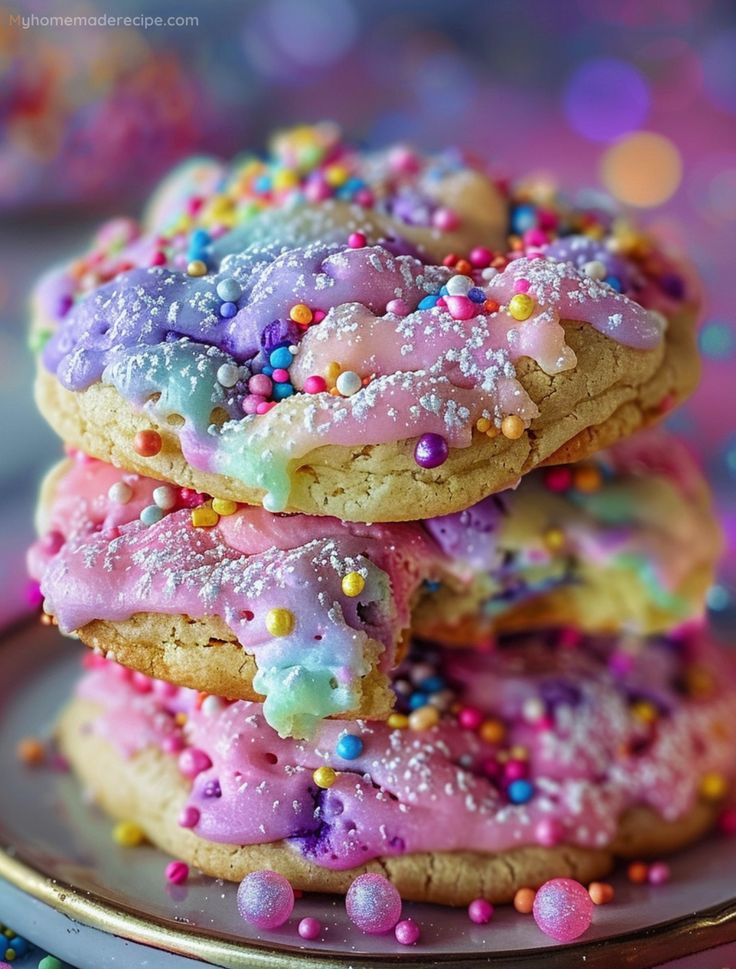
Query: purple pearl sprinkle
x,y
431,451
310,928
265,899
407,932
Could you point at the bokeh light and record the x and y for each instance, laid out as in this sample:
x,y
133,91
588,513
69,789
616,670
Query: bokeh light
x,y
642,169
717,340
606,98
719,70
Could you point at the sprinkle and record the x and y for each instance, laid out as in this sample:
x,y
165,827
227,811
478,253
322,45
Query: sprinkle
x,y
349,746
224,506
512,427
459,285
261,385
228,310
480,257
193,761
713,786
373,904
492,731
49,962
315,385
445,220
520,791
265,899
461,308
470,718
348,383
281,358
659,873
228,374
189,817
204,516
645,711
431,451
548,832
151,514
558,479
357,240
480,911
407,932
147,443
587,478
398,307
637,872
120,493
30,751
521,306
601,893
128,834
177,872
164,497
324,777
197,268
309,928
424,718
524,900
353,584
563,909
229,290
280,621
595,269
398,721
301,314
554,539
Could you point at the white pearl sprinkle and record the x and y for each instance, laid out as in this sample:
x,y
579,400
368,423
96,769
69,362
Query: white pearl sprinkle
x,y
459,285
228,375
120,493
164,497
348,383
595,269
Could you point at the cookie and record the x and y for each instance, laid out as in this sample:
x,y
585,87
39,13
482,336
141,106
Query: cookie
x,y
573,758
184,589
356,373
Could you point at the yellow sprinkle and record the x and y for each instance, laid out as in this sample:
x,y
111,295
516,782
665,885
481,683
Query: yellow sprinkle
x,y
398,721
353,584
300,313
512,427
336,175
197,268
521,306
128,834
10,955
324,777
645,710
483,424
285,179
223,506
713,786
279,622
517,752
332,372
587,478
180,719
554,539
492,731
424,718
204,516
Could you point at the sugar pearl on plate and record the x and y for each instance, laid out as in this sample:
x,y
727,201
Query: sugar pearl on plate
x,y
265,899
563,909
373,904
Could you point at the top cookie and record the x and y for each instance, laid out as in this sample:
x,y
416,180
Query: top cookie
x,y
379,337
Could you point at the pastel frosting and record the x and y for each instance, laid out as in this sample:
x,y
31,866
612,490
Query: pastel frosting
x,y
589,731
428,361
96,559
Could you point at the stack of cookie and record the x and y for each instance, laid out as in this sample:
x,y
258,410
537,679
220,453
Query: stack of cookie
x,y
374,577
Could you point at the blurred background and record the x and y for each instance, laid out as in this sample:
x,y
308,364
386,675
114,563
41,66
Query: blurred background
x,y
633,97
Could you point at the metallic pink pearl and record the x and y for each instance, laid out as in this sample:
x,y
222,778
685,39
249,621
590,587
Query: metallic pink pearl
x,y
563,909
177,872
373,904
310,928
407,932
189,817
480,911
265,899
193,761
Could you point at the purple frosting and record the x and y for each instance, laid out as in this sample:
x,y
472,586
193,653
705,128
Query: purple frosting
x,y
468,535
581,249
146,306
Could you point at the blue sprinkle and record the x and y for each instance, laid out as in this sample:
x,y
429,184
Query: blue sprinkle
x,y
520,791
151,514
281,358
433,684
349,746
523,217
228,310
280,391
432,585
476,294
428,302
19,946
200,238
443,291
614,282
417,700
262,183
268,371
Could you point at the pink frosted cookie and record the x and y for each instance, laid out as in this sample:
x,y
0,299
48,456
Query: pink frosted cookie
x,y
378,337
311,613
503,769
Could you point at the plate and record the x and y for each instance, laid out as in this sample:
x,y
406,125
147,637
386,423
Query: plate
x,y
58,849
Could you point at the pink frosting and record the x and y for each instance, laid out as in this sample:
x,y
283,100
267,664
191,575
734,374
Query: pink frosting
x,y
588,755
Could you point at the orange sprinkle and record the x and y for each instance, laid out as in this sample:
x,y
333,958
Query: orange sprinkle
x,y
638,872
30,751
601,893
524,900
463,267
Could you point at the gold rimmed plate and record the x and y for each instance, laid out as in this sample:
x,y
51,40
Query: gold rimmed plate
x,y
57,849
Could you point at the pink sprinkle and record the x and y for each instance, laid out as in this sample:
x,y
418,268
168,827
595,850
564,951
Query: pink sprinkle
x,y
190,498
534,237
403,160
164,689
480,257
111,533
480,911
470,718
318,316
531,256
177,872
558,479
260,383
265,407
446,220
364,197
515,770
399,307
727,822
173,743
548,832
194,204
522,286
309,928
189,817
280,375
407,932
563,909
357,240
317,190
460,307
252,402
315,385
34,597
158,259
659,873
141,682
193,761
123,673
